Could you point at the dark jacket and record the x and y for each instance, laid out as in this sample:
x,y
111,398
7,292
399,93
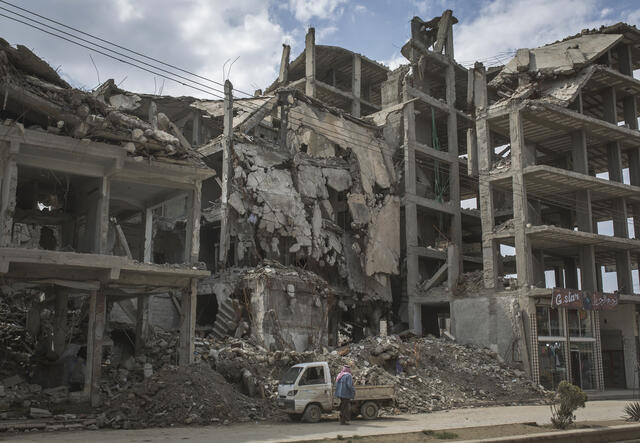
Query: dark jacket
x,y
344,387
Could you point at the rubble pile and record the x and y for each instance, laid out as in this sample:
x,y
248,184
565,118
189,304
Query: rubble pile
x,y
469,282
107,114
183,395
15,345
429,374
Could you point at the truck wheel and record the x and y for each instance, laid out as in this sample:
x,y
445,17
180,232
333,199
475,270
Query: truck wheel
x,y
369,410
295,417
312,414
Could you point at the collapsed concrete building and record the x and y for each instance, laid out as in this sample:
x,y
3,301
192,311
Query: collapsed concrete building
x,y
329,208
557,160
85,186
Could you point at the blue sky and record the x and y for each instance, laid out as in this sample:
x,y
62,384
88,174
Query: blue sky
x,y
200,35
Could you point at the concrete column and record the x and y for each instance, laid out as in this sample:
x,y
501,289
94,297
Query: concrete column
x,y
538,268
519,160
226,171
148,235
310,62
454,167
559,277
619,209
417,318
570,273
8,187
490,248
188,323
196,138
630,109
356,86
142,323
95,338
102,216
192,235
60,321
283,75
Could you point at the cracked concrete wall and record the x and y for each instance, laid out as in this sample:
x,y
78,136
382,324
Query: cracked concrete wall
x,y
319,199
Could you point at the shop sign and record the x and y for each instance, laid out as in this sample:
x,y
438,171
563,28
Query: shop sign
x,y
574,299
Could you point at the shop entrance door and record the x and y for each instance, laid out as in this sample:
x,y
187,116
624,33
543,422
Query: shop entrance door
x,y
582,373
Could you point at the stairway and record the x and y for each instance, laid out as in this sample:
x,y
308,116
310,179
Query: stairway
x,y
225,324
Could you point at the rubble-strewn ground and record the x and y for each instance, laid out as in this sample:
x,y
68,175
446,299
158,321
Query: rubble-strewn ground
x,y
236,380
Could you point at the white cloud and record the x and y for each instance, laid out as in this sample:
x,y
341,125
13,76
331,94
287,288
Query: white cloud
x,y
421,5
304,10
506,25
126,10
196,35
395,61
360,9
325,31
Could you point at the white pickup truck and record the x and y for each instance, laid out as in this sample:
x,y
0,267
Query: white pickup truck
x,y
305,392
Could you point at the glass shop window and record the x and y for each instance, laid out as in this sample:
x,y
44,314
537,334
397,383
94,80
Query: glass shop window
x,y
580,323
553,367
549,322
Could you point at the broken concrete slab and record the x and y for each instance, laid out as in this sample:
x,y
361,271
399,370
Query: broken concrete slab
x,y
358,209
383,240
337,179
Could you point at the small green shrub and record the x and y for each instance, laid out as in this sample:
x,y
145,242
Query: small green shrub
x,y
632,411
567,400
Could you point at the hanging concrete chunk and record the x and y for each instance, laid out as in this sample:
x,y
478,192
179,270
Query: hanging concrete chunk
x,y
358,209
337,179
383,244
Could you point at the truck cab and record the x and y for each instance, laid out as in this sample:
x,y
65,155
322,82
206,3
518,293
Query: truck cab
x,y
305,391
304,384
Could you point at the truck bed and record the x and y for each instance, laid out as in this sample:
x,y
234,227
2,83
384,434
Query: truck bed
x,y
381,392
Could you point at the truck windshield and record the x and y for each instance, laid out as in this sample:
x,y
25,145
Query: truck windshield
x,y
290,376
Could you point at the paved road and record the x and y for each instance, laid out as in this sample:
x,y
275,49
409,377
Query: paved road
x,y
270,432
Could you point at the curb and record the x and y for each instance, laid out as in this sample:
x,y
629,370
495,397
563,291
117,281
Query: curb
x,y
597,435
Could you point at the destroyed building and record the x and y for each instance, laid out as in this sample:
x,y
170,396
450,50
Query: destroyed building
x,y
330,207
558,165
86,185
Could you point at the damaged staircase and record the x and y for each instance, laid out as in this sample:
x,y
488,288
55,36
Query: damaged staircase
x,y
225,323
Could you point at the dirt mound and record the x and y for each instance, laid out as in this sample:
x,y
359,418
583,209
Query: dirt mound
x,y
194,394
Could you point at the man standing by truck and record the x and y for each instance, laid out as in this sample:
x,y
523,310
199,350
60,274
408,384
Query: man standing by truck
x,y
345,392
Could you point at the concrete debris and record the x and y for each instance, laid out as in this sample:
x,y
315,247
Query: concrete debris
x,y
109,114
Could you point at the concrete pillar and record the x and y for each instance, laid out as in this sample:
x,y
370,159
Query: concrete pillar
x,y
60,321
148,235
8,187
196,138
356,86
490,248
570,273
283,75
538,268
454,167
142,323
226,171
559,277
188,323
619,209
192,235
519,160
95,338
102,217
417,318
310,62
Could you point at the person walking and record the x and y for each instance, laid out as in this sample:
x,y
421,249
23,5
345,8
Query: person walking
x,y
345,391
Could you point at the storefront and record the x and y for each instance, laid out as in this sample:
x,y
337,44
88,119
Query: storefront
x,y
566,336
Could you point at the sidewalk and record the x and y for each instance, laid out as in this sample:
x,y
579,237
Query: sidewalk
x,y
274,432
